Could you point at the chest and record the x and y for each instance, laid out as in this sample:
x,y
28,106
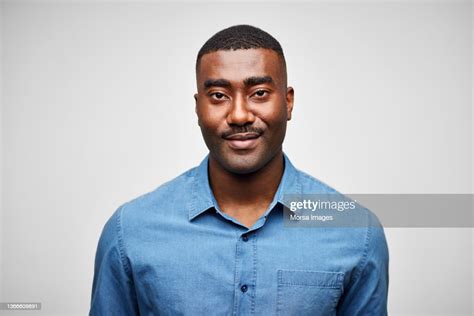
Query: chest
x,y
225,272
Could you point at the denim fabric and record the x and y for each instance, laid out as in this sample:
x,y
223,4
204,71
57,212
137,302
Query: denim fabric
x,y
172,251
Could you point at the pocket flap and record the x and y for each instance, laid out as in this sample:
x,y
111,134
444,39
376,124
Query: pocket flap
x,y
324,279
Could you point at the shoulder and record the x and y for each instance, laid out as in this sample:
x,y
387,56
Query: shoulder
x,y
166,198
366,230
133,218
166,194
165,191
312,185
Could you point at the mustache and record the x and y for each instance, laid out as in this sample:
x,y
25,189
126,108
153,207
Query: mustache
x,y
242,129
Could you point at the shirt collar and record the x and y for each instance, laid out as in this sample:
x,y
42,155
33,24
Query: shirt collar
x,y
202,198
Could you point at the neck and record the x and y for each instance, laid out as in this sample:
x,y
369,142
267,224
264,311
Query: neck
x,y
257,188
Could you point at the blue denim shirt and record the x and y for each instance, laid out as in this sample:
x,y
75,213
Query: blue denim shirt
x,y
172,251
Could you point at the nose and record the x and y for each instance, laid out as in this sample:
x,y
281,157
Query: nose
x,y
240,114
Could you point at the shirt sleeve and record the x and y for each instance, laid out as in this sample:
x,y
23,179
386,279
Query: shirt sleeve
x,y
368,290
113,290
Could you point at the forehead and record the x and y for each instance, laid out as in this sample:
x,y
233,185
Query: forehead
x,y
236,65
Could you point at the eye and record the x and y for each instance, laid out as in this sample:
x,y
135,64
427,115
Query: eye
x,y
261,93
217,96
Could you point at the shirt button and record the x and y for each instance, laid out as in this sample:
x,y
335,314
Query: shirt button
x,y
245,238
244,288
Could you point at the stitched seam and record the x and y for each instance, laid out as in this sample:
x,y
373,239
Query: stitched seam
x,y
313,285
364,259
279,273
254,274
121,246
311,271
236,276
192,205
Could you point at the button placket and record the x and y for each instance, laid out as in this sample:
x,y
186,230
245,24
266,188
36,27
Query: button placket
x,y
246,275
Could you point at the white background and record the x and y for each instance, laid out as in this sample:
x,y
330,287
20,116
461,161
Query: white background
x,y
97,108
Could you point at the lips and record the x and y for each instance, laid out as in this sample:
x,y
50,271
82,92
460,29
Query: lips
x,y
243,141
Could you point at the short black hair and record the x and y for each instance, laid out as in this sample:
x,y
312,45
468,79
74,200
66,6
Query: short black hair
x,y
240,37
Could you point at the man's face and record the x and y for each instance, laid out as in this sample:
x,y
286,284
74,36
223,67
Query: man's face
x,y
243,106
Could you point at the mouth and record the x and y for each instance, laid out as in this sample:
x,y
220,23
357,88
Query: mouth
x,y
243,141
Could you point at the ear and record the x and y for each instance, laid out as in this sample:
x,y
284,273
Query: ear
x,y
290,96
196,105
195,102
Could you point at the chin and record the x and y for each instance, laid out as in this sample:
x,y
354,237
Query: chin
x,y
242,164
242,169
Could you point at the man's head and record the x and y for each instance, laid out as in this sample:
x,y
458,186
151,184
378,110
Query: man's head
x,y
243,102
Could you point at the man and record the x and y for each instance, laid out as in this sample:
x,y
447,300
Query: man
x,y
213,241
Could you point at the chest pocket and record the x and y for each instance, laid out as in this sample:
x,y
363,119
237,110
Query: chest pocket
x,y
304,292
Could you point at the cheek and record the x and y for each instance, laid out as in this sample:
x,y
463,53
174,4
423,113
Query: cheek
x,y
277,121
276,116
210,120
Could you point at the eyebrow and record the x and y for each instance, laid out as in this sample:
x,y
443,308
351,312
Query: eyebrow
x,y
253,81
250,81
216,83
